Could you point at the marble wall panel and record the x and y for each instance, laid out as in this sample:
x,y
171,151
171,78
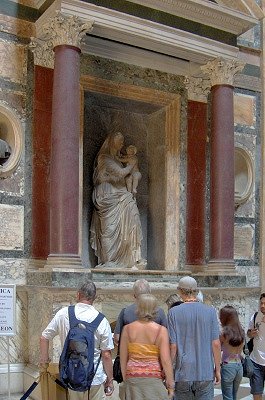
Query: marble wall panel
x,y
16,100
252,273
13,62
244,241
16,26
14,184
244,109
11,227
13,270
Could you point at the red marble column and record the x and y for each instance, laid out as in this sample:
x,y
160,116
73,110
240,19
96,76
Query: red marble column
x,y
64,171
196,185
222,177
41,145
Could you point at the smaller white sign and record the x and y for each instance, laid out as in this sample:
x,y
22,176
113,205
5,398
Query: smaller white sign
x,y
7,310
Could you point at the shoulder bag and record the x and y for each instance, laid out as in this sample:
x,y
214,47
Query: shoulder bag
x,y
117,375
247,363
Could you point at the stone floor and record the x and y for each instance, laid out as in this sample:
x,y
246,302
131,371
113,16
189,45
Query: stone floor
x,y
243,394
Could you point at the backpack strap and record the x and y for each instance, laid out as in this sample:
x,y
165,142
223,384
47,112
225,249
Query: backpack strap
x,y
73,321
95,323
254,319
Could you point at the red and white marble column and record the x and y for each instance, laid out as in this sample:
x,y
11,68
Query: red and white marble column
x,y
222,186
65,34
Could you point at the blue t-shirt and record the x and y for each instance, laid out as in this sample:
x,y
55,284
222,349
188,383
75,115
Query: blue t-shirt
x,y
193,327
130,316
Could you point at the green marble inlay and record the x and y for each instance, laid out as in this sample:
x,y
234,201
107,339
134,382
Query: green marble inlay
x,y
166,19
20,11
252,70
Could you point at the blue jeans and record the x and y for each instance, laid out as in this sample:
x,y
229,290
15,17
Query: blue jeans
x,y
199,390
231,376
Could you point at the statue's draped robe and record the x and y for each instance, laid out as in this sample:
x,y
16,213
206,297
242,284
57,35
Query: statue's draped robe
x,y
116,232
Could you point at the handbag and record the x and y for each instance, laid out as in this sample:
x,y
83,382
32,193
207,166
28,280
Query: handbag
x,y
117,375
247,363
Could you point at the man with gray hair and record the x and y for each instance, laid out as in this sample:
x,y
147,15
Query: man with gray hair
x,y
194,344
128,314
59,325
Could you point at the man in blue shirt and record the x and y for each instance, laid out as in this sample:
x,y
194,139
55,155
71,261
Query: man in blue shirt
x,y
128,315
195,346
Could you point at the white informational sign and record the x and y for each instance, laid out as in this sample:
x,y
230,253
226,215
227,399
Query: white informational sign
x,y
7,310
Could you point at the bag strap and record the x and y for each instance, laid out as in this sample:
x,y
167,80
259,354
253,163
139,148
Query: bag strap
x,y
246,350
73,321
121,328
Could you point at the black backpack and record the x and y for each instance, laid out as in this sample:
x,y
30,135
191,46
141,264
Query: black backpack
x,y
76,365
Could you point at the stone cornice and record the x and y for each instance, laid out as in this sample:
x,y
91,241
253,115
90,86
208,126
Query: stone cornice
x,y
210,14
222,72
120,27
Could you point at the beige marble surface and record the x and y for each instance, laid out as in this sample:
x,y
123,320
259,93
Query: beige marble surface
x,y
13,61
244,109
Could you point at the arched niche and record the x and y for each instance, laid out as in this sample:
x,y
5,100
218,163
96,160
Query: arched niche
x,y
243,175
11,135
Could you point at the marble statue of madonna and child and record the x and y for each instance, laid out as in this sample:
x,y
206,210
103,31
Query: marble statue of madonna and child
x,y
115,232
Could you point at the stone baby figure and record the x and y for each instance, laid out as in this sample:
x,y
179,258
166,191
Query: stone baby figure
x,y
135,175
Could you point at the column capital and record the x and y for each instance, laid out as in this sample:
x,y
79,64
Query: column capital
x,y
58,30
42,52
222,72
198,88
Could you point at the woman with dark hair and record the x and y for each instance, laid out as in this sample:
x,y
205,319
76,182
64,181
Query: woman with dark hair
x,y
232,341
145,355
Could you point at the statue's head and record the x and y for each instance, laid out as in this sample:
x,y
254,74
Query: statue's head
x,y
112,144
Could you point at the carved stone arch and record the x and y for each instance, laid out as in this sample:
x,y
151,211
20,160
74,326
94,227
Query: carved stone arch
x,y
11,133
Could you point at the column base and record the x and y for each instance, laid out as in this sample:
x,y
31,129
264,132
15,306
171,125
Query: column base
x,y
194,268
63,262
36,263
220,266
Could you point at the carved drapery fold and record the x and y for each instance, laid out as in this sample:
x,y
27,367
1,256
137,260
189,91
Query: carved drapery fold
x,y
56,31
222,72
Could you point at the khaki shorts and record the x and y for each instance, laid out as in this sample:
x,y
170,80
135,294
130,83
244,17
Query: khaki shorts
x,y
96,393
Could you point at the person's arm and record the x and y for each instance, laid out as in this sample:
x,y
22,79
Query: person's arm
x,y
44,352
216,349
252,331
173,352
162,317
164,350
119,327
124,351
172,331
107,365
115,170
